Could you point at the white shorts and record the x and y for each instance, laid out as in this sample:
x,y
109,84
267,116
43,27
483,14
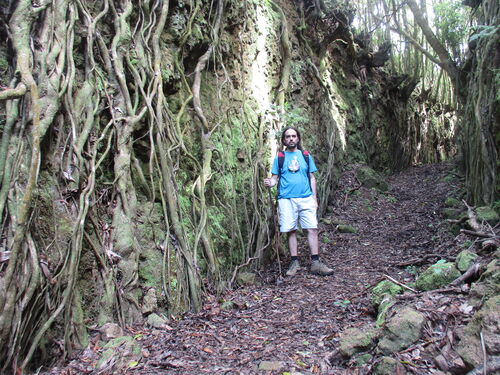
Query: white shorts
x,y
293,209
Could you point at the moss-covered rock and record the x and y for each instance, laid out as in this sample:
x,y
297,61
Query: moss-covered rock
x,y
156,321
488,284
401,331
487,214
385,366
383,288
437,276
385,304
356,340
119,354
363,359
465,259
246,278
452,213
487,321
452,202
344,228
370,178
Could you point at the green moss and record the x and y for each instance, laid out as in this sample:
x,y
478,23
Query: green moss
x,y
384,288
436,276
452,202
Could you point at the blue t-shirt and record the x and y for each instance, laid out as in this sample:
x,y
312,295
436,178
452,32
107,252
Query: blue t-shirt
x,y
294,180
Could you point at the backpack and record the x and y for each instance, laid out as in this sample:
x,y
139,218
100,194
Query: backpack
x,y
281,161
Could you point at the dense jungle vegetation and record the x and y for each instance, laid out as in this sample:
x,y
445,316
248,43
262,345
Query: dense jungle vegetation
x,y
135,136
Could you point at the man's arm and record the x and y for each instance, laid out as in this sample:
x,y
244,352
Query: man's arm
x,y
313,187
270,182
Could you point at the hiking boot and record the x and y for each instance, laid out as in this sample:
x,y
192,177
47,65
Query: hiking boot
x,y
294,267
320,269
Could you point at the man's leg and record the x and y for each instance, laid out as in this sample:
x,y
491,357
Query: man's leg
x,y
292,245
292,242
312,238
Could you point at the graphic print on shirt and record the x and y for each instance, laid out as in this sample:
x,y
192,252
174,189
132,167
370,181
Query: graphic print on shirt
x,y
294,165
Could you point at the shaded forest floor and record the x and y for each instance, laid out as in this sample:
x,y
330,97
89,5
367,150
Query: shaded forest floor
x,y
293,326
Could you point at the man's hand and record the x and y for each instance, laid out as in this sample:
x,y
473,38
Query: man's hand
x,y
316,201
270,182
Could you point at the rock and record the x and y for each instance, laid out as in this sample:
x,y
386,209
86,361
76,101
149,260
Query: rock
x,y
387,302
437,276
270,365
452,202
227,305
355,340
387,366
401,331
246,278
371,179
452,213
487,214
465,259
382,288
156,321
363,359
344,228
488,284
110,331
326,221
487,321
119,354
149,302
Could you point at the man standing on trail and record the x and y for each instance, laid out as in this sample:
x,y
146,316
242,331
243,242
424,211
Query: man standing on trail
x,y
293,172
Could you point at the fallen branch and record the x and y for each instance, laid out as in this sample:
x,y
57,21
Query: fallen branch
x,y
477,234
471,273
400,284
235,272
473,223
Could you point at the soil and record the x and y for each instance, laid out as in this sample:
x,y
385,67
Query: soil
x,y
293,324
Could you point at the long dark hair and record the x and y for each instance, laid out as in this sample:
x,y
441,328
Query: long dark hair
x,y
299,146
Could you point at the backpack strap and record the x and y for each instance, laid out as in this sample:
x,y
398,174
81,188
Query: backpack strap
x,y
281,161
306,154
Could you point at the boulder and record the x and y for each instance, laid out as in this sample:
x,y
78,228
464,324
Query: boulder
x,y
465,259
370,178
356,340
487,321
119,354
246,278
488,284
487,214
156,321
110,331
387,366
401,331
437,276
363,359
149,302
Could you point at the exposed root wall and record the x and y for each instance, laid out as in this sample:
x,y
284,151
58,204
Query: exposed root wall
x,y
135,140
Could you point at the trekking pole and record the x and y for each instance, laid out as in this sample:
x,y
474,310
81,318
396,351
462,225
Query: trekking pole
x,y
277,238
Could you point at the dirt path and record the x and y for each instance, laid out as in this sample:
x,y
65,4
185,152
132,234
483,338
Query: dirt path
x,y
296,324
